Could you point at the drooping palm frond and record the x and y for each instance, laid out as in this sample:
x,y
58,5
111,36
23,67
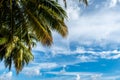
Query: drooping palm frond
x,y
24,22
50,16
17,53
23,56
41,32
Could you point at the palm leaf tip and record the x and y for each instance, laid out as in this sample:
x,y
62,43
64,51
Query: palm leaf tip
x,y
86,2
64,32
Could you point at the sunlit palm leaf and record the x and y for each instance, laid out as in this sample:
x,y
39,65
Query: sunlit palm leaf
x,y
24,22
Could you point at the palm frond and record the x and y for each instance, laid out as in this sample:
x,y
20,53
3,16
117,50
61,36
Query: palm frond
x,y
41,33
23,23
3,40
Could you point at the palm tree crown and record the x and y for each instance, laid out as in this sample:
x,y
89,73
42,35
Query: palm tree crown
x,y
22,23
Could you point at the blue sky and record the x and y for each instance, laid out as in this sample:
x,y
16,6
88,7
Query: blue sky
x,y
90,52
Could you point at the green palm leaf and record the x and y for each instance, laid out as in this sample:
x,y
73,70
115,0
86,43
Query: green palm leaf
x,y
25,22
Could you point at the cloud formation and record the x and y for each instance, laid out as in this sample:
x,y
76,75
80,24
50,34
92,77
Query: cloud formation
x,y
113,3
35,70
6,76
99,28
92,36
85,76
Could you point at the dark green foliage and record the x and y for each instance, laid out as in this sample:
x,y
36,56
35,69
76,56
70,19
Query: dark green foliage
x,y
23,23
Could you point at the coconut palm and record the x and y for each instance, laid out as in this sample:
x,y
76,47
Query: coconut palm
x,y
23,23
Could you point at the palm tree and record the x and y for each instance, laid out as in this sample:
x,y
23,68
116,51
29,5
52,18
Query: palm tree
x,y
23,23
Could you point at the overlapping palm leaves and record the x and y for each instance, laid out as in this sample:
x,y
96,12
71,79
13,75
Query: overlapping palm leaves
x,y
22,22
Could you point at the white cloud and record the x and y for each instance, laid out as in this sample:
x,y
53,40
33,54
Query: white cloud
x,y
107,54
114,57
85,76
78,77
6,76
75,73
96,77
31,71
113,77
113,3
46,65
113,54
35,70
101,27
84,59
98,26
73,10
93,55
39,47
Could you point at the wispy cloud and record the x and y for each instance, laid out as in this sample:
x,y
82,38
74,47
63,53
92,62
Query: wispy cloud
x,y
6,76
99,28
80,75
93,55
86,76
113,3
35,70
